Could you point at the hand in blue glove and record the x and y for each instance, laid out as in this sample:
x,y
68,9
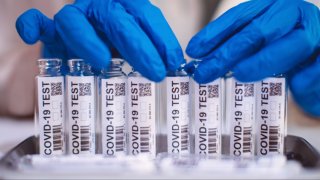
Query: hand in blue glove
x,y
305,87
88,29
262,38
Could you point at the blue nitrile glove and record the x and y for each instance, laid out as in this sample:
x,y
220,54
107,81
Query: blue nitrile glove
x,y
260,38
33,26
305,87
88,29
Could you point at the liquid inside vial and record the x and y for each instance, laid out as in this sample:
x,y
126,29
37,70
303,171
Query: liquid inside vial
x,y
141,115
207,103
50,107
113,108
81,108
240,116
271,116
177,112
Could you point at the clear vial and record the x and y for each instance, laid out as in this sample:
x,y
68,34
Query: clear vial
x,y
271,117
141,115
50,111
206,115
81,107
175,97
240,115
112,108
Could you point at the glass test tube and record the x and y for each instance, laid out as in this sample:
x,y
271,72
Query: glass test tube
x,y
141,115
50,110
240,116
271,116
112,106
81,108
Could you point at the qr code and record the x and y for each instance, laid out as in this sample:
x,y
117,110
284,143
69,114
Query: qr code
x,y
275,89
56,89
120,89
213,91
85,89
145,89
184,86
248,90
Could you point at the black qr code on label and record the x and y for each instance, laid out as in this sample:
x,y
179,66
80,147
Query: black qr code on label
x,y
248,90
145,89
213,91
120,89
56,89
85,89
184,86
275,89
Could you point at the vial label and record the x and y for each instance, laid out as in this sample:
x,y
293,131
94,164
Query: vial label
x,y
141,116
81,114
177,114
241,114
113,98
207,117
271,114
51,115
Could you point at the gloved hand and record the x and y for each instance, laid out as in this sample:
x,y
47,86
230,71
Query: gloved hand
x,y
305,87
88,29
262,38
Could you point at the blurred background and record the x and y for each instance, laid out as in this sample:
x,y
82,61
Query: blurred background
x,y
18,63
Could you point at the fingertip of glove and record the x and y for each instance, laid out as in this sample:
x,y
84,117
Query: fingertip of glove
x,y
243,76
100,63
247,71
244,79
155,72
175,59
207,71
202,78
27,26
158,78
193,48
157,75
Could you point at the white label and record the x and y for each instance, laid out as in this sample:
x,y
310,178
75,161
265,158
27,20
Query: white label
x,y
241,114
81,114
113,98
271,112
177,89
141,116
208,117
51,115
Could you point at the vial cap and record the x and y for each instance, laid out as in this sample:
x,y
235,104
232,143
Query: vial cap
x,y
77,63
180,71
229,74
116,62
182,66
49,62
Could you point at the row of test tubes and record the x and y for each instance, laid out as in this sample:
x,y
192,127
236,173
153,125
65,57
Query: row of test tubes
x,y
117,114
